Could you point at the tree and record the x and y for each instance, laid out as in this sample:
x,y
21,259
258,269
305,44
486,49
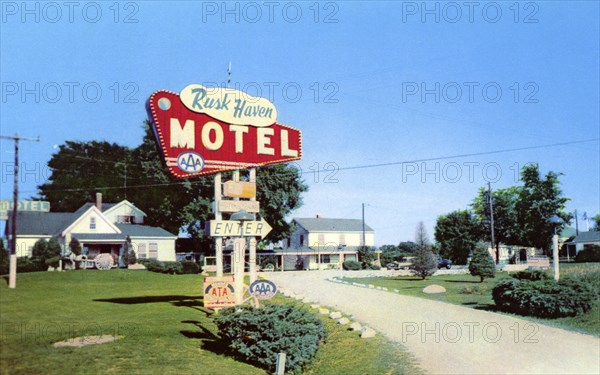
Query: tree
x,y
75,246
482,264
366,255
80,169
4,259
539,200
424,263
129,257
54,251
408,247
506,228
457,234
389,253
596,223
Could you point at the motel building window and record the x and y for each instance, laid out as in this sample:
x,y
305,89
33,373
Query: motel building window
x,y
342,240
125,219
92,223
301,240
142,251
153,250
321,240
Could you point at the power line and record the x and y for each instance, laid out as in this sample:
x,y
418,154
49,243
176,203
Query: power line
x,y
365,166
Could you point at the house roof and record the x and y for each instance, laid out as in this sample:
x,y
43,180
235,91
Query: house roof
x,y
117,237
42,223
86,206
592,236
332,225
135,230
568,232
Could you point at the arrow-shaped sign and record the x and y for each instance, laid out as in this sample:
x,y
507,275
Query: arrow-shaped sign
x,y
232,228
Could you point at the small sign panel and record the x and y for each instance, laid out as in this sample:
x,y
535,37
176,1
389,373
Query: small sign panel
x,y
263,289
232,228
219,292
235,206
239,189
37,206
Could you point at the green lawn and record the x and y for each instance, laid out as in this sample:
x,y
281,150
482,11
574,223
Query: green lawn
x,y
165,329
466,290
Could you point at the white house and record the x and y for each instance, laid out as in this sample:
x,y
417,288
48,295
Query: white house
x,y
320,243
100,228
585,240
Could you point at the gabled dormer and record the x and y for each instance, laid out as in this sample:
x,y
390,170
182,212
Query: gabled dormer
x,y
91,221
125,212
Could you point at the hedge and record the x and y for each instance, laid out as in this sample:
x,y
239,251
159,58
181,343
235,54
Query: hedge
x,y
544,298
590,254
351,265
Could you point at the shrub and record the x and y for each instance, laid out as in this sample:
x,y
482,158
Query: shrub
x,y
482,264
258,335
374,267
189,267
75,246
590,254
532,275
351,265
25,264
543,298
170,268
4,259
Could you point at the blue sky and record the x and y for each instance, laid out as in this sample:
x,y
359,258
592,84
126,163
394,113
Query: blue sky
x,y
350,75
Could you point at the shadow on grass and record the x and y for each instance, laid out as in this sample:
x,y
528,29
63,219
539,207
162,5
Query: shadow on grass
x,y
194,302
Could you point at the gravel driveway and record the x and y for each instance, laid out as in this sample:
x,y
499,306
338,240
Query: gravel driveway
x,y
451,339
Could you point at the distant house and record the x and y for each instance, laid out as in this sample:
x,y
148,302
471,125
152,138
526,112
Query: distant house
x,y
320,243
100,228
585,240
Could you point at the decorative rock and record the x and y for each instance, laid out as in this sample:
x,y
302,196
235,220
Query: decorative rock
x,y
78,342
356,326
371,286
136,266
315,306
396,291
367,333
299,297
335,315
378,288
384,288
323,311
434,289
306,300
343,321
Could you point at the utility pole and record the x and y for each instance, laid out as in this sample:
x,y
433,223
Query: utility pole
x,y
364,242
576,225
12,279
491,199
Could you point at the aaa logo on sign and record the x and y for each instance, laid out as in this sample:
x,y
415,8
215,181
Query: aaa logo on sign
x,y
263,289
190,162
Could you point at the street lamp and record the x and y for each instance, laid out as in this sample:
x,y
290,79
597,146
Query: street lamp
x,y
555,220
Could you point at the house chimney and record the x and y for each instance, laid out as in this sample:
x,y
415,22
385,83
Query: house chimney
x,y
99,201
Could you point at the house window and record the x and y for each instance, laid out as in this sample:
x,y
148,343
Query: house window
x,y
142,251
125,219
301,240
92,223
289,242
153,250
325,259
321,239
342,239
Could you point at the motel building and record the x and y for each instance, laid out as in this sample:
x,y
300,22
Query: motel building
x,y
319,243
99,227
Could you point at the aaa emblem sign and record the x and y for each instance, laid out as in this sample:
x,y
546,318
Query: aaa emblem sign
x,y
219,292
193,143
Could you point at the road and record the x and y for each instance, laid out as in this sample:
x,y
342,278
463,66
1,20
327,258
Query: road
x,y
451,339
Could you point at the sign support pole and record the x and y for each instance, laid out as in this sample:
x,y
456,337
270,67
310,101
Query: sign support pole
x,y
252,259
218,216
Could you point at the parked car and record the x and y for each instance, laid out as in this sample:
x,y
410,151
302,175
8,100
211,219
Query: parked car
x,y
444,263
398,265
